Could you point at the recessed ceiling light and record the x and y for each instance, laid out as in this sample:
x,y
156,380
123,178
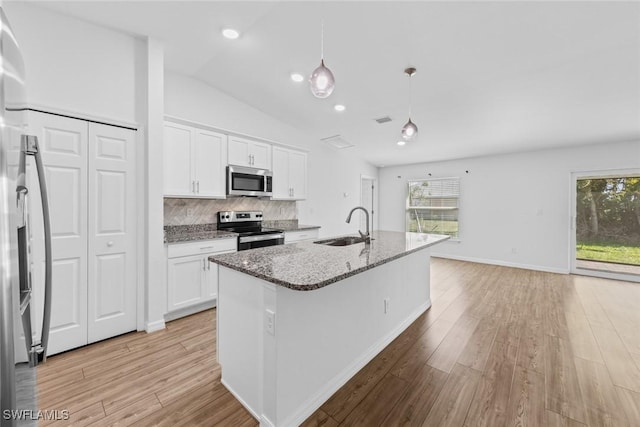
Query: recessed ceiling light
x,y
230,33
339,107
401,143
297,77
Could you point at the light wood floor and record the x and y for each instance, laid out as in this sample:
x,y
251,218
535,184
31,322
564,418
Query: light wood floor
x,y
499,346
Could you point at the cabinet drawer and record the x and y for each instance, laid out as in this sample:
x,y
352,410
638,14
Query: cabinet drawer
x,y
202,247
296,236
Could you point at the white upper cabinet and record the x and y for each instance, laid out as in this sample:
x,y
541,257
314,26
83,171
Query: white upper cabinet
x,y
245,152
210,154
177,177
289,174
194,162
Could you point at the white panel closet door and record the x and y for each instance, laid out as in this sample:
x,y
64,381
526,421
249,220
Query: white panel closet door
x,y
64,154
112,242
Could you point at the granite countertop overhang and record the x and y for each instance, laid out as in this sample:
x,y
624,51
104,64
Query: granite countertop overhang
x,y
305,266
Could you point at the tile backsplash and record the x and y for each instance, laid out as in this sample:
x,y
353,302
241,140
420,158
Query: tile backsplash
x,y
203,211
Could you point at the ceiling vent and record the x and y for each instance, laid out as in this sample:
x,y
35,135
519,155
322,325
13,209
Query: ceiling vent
x,y
381,120
337,141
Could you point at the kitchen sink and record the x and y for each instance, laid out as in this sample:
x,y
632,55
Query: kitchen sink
x,y
341,241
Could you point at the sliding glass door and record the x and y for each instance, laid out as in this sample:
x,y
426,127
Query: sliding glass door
x,y
606,226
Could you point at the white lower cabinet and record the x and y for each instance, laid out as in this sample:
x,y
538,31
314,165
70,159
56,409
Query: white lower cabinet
x,y
191,279
300,235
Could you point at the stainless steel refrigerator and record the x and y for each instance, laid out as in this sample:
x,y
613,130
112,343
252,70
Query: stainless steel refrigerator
x,y
21,177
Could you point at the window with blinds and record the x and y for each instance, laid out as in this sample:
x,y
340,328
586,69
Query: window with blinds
x,y
432,206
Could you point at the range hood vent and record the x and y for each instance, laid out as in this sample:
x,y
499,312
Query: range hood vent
x,y
381,120
337,141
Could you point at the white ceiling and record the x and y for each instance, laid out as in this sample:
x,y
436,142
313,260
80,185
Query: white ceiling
x,y
492,77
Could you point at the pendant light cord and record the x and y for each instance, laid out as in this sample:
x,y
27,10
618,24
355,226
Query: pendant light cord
x,y
410,103
322,40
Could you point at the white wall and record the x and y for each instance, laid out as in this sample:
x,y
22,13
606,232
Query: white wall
x,y
75,66
519,201
331,172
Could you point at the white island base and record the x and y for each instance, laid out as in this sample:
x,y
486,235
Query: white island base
x,y
284,352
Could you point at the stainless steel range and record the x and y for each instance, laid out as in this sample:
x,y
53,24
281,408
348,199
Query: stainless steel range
x,y
248,224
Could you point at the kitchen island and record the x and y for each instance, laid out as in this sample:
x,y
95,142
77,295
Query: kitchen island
x,y
295,322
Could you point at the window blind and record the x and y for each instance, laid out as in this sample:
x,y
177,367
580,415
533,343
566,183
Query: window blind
x,y
433,206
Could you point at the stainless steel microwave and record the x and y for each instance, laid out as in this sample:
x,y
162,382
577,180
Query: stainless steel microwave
x,y
244,181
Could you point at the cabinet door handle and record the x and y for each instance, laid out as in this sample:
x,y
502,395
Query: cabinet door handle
x,y
193,186
204,264
198,187
209,266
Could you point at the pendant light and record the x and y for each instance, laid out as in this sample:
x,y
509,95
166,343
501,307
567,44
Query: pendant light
x,y
321,81
409,130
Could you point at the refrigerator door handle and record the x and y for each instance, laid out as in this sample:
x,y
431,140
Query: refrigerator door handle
x,y
38,350
24,270
23,237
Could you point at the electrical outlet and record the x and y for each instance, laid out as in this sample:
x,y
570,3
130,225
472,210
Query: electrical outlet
x,y
386,305
514,250
270,324
190,211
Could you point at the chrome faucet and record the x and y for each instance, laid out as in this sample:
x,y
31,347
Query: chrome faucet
x,y
366,235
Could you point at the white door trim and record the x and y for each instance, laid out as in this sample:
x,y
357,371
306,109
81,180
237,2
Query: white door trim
x,y
374,212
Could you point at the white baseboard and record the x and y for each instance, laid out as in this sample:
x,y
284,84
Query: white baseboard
x,y
188,311
157,325
253,413
502,263
266,422
313,403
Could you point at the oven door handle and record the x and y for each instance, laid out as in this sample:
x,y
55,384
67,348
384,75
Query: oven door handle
x,y
249,239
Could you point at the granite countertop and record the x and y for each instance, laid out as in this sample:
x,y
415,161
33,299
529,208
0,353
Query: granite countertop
x,y
298,227
195,232
304,266
192,233
287,225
